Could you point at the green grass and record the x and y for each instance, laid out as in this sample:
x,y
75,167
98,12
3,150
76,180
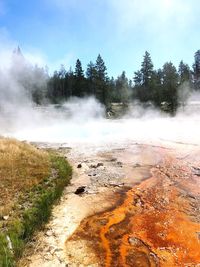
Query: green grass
x,y
35,210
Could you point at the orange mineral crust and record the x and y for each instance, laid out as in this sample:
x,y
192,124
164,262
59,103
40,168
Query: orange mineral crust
x,y
156,223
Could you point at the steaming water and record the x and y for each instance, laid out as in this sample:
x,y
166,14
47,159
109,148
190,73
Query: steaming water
x,y
99,131
83,122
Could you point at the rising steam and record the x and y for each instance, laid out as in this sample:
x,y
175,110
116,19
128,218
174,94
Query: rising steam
x,y
84,120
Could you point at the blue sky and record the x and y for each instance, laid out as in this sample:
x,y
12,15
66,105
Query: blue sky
x,y
55,32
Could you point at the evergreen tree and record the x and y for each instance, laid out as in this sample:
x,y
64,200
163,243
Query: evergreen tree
x,y
79,73
91,71
62,81
160,87
184,72
146,69
170,86
185,83
137,78
196,68
100,67
79,80
101,80
55,93
111,96
38,85
91,76
122,88
69,83
157,84
197,63
143,80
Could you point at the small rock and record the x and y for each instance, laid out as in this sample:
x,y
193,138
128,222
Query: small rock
x,y
92,174
80,190
93,166
99,164
79,166
113,159
6,217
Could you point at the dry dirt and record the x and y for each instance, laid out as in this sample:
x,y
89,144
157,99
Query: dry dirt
x,y
140,206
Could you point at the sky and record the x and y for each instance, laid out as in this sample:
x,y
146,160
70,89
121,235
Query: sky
x,y
55,32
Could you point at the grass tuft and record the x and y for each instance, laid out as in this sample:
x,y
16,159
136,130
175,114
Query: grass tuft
x,y
32,202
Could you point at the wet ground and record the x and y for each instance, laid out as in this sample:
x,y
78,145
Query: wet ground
x,y
128,205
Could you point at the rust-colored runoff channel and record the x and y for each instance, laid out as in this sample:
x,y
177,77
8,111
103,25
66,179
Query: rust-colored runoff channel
x,y
157,223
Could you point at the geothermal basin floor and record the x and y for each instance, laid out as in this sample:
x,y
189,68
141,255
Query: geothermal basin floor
x,y
127,205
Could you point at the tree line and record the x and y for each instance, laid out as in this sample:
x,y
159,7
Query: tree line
x,y
164,87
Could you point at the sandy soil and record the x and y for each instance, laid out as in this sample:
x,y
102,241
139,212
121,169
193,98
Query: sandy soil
x,y
125,189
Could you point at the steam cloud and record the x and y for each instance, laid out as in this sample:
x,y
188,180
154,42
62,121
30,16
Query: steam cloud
x,y
83,121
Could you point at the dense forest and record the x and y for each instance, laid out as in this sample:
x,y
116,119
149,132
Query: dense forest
x,y
165,88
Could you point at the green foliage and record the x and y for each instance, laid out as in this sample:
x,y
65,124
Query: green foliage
x,y
196,70
149,85
78,70
170,86
79,80
145,80
122,90
40,201
101,80
6,256
184,72
146,69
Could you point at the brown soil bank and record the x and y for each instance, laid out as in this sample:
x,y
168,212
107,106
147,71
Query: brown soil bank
x,y
156,223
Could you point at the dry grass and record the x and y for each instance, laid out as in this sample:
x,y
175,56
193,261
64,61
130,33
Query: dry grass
x,y
31,181
21,167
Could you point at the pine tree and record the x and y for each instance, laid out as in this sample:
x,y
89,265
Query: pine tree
x,y
170,86
91,71
137,78
101,81
196,68
146,69
90,75
79,80
197,63
79,73
101,69
69,83
122,88
143,80
184,72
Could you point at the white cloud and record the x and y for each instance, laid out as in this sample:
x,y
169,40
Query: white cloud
x,y
153,15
